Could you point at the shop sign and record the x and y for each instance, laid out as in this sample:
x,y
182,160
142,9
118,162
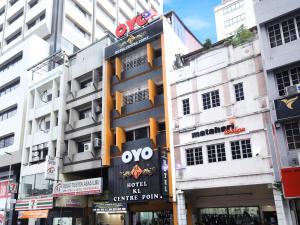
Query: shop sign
x,y
51,168
135,23
137,176
34,204
72,203
37,214
164,175
290,178
4,189
105,207
78,187
135,39
229,129
288,107
63,221
2,218
13,187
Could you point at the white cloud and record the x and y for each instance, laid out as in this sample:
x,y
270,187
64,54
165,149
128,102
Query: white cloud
x,y
195,23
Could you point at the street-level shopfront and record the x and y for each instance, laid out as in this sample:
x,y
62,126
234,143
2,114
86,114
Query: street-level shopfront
x,y
66,203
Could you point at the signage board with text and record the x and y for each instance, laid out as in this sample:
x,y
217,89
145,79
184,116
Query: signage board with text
x,y
51,168
78,187
288,107
138,176
290,178
34,204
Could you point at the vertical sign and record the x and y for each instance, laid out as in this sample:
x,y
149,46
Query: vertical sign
x,y
164,175
51,168
4,189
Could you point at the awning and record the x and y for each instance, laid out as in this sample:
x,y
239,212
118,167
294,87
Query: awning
x,y
33,214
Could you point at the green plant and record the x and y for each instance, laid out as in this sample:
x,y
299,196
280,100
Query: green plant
x,y
241,36
207,44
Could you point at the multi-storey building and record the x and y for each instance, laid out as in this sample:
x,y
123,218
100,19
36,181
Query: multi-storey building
x,y
224,172
279,31
13,85
137,146
37,29
67,130
231,14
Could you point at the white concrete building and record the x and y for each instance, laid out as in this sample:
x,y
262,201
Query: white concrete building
x,y
222,154
231,14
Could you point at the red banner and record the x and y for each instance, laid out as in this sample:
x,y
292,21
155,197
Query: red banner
x,y
4,189
291,182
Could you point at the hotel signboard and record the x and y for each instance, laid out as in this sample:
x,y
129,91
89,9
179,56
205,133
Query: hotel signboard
x,y
139,175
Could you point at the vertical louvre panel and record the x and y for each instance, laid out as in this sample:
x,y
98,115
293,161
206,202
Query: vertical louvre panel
x,y
120,138
153,129
118,68
152,90
150,55
119,102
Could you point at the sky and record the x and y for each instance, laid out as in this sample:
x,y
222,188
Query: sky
x,y
198,16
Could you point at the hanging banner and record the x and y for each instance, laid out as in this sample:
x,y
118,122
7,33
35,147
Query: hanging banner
x,y
34,204
51,168
2,218
78,187
4,189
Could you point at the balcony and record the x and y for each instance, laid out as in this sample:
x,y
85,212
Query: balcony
x,y
288,107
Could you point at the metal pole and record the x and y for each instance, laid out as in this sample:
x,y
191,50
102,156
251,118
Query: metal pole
x,y
7,189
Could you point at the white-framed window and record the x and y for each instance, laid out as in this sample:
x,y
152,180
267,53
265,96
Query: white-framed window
x,y
6,114
233,7
7,141
211,99
292,132
134,60
239,92
235,20
186,106
194,156
136,95
287,77
284,31
216,153
241,149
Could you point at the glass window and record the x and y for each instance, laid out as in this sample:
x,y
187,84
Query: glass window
x,y
7,141
36,185
85,114
239,92
194,156
216,153
241,149
292,131
289,30
186,106
141,133
211,99
287,78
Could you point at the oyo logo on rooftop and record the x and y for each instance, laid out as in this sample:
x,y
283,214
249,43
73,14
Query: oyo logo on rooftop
x,y
130,25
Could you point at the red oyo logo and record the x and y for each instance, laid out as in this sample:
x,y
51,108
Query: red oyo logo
x,y
139,21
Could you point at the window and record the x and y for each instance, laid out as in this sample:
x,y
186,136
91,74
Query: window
x,y
33,3
186,106
39,153
35,21
13,37
9,87
235,20
211,99
8,113
7,141
35,185
85,114
292,131
2,10
216,153
86,83
11,62
194,156
289,30
137,134
241,149
84,146
15,17
134,60
135,96
12,2
287,77
233,7
239,92
284,32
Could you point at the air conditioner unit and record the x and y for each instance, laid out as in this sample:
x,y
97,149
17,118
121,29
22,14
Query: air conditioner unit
x,y
35,154
98,109
49,97
41,146
87,147
292,90
35,159
35,148
97,142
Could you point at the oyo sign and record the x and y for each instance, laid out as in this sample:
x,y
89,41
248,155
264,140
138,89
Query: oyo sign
x,y
135,154
137,21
